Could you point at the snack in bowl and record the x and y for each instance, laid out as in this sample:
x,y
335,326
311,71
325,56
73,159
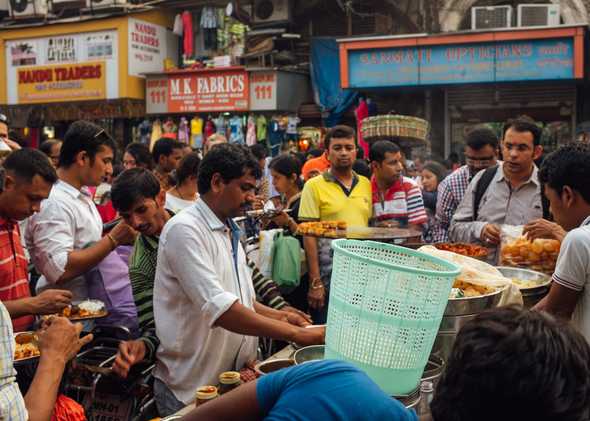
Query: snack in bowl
x,y
470,250
322,228
540,254
25,346
84,309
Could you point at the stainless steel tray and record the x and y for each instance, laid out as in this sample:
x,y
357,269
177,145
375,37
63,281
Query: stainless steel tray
x,y
472,305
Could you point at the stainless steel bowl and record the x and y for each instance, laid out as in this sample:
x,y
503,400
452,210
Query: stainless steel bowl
x,y
269,366
472,305
309,353
532,295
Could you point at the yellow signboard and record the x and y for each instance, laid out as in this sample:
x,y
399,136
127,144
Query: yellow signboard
x,y
62,82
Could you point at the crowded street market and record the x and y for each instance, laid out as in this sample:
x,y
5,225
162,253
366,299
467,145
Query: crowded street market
x,y
294,210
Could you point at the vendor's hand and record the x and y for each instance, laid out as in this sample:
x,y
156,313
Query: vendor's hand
x,y
129,354
60,339
294,318
542,228
282,219
12,144
123,234
310,336
257,202
51,301
290,309
490,235
316,297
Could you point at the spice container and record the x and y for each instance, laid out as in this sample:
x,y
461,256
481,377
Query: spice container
x,y
205,394
228,381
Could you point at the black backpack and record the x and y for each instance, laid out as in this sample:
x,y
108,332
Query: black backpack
x,y
485,181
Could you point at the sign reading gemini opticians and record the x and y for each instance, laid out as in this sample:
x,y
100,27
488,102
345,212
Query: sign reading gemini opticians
x,y
77,67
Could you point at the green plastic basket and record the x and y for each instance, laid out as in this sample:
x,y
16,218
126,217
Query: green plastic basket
x,y
386,305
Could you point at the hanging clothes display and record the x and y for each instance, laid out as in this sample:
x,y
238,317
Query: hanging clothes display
x,y
209,25
183,131
236,134
177,28
210,128
251,131
292,123
156,133
276,135
169,126
261,126
196,133
145,132
188,40
221,125
361,112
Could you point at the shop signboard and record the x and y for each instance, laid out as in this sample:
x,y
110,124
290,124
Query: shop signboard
x,y
208,91
75,82
499,61
59,68
156,94
263,90
149,46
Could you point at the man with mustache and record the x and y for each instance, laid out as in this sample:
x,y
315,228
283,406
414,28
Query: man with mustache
x,y
513,194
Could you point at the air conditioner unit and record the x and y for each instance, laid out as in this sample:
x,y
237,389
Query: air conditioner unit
x,y
4,8
271,12
28,8
538,15
56,6
491,17
105,4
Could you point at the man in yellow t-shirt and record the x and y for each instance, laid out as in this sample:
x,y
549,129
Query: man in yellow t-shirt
x,y
337,195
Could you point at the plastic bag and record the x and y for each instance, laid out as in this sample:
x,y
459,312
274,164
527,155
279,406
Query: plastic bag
x,y
516,250
67,409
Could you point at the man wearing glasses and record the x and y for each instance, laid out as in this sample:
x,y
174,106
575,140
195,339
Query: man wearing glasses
x,y
511,193
481,152
65,238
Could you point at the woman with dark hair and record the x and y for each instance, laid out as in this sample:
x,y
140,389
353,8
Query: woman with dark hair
x,y
184,193
432,174
137,155
286,179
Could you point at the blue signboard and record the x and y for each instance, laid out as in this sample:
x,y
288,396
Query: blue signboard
x,y
547,59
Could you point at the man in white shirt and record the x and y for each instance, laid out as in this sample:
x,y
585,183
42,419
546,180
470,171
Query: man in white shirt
x,y
565,174
65,238
206,314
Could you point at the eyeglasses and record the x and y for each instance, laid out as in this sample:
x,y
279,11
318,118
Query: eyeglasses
x,y
488,160
103,133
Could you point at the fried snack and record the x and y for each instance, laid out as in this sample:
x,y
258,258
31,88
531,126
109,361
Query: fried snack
x,y
327,229
25,346
540,254
469,250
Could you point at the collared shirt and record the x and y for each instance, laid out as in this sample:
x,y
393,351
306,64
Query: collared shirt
x,y
450,193
572,271
68,221
197,282
324,198
499,205
402,202
14,279
12,404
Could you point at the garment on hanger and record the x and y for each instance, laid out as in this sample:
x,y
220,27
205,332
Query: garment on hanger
x,y
183,131
169,126
221,125
361,112
236,133
261,128
210,128
144,132
177,28
251,131
209,26
156,133
292,122
188,39
196,133
276,136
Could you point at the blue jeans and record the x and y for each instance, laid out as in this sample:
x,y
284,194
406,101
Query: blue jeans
x,y
166,402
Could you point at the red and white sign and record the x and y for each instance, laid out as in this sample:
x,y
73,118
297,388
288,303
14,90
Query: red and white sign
x,y
156,95
222,90
263,91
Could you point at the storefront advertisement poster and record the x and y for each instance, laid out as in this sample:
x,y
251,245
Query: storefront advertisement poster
x,y
62,49
263,91
156,95
149,46
225,90
22,53
63,82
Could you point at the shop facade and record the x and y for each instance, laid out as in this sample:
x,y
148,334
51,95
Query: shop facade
x,y
246,105
471,78
92,69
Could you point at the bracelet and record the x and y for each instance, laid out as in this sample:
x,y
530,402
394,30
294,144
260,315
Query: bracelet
x,y
112,240
317,283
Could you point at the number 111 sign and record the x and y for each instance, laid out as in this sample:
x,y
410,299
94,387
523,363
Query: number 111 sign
x,y
263,91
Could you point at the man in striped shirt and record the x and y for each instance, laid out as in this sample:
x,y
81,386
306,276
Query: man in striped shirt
x,y
27,179
397,200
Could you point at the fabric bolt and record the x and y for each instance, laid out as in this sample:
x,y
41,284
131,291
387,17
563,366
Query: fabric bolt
x,y
499,205
192,290
401,202
196,133
109,282
183,131
336,390
236,133
14,280
12,404
261,128
450,193
188,38
572,271
68,221
361,112
251,131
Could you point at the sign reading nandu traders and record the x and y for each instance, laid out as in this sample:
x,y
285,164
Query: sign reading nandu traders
x,y
502,61
223,90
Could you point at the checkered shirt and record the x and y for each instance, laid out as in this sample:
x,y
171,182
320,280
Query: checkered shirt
x,y
12,404
450,193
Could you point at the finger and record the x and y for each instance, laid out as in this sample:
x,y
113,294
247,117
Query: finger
x,y
85,339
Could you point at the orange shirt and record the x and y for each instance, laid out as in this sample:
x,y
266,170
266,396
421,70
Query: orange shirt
x,y
320,164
